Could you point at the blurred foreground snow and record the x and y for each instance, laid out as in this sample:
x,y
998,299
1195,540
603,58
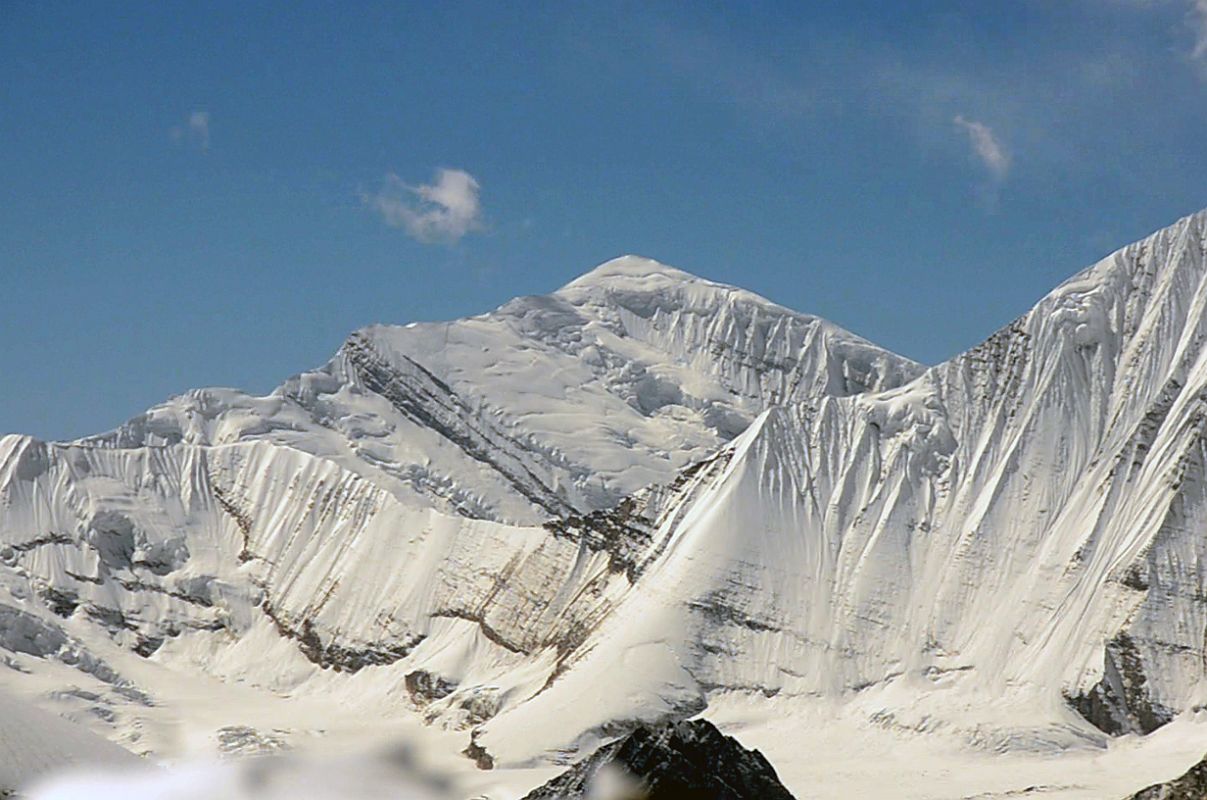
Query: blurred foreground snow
x,y
393,774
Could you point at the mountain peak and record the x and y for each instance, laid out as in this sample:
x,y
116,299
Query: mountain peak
x,y
646,281
675,759
631,266
633,271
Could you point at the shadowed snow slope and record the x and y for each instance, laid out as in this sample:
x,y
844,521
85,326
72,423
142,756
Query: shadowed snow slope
x,y
619,502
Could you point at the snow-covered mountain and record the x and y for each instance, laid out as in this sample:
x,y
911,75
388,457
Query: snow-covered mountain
x,y
548,405
642,495
1016,534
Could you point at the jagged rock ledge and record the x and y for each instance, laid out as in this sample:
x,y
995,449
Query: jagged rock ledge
x,y
333,655
686,759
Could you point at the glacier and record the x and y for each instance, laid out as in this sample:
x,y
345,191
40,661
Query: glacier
x,y
650,496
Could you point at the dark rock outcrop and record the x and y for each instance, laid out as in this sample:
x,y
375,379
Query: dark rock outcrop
x,y
1190,786
332,654
622,532
672,761
1120,702
425,687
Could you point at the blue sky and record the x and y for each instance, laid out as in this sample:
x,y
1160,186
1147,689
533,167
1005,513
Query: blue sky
x,y
198,194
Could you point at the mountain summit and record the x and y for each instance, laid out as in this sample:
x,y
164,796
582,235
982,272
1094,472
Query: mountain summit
x,y
548,405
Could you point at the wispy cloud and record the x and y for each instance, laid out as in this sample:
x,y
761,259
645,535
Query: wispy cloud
x,y
442,211
1198,21
1194,23
195,130
985,145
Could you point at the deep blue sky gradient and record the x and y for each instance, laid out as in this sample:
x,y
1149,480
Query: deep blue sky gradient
x,y
808,154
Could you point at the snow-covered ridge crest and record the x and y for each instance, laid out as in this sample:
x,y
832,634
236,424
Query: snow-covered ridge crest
x,y
551,404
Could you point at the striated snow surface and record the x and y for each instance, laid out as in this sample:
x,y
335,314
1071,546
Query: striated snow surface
x,y
642,497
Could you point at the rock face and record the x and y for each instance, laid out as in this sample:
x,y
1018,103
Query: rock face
x,y
1191,786
673,761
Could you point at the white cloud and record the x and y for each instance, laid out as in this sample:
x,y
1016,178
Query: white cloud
x,y
443,211
195,130
1198,19
985,145
199,128
1195,22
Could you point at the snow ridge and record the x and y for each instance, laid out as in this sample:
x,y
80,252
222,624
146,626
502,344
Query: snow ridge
x,y
567,402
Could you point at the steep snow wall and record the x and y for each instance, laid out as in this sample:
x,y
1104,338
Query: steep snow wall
x,y
1027,518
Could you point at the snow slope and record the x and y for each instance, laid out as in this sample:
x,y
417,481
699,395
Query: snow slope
x,y
34,743
647,494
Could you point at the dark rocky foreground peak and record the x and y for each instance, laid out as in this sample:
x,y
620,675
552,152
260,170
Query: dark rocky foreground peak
x,y
689,760
1190,786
